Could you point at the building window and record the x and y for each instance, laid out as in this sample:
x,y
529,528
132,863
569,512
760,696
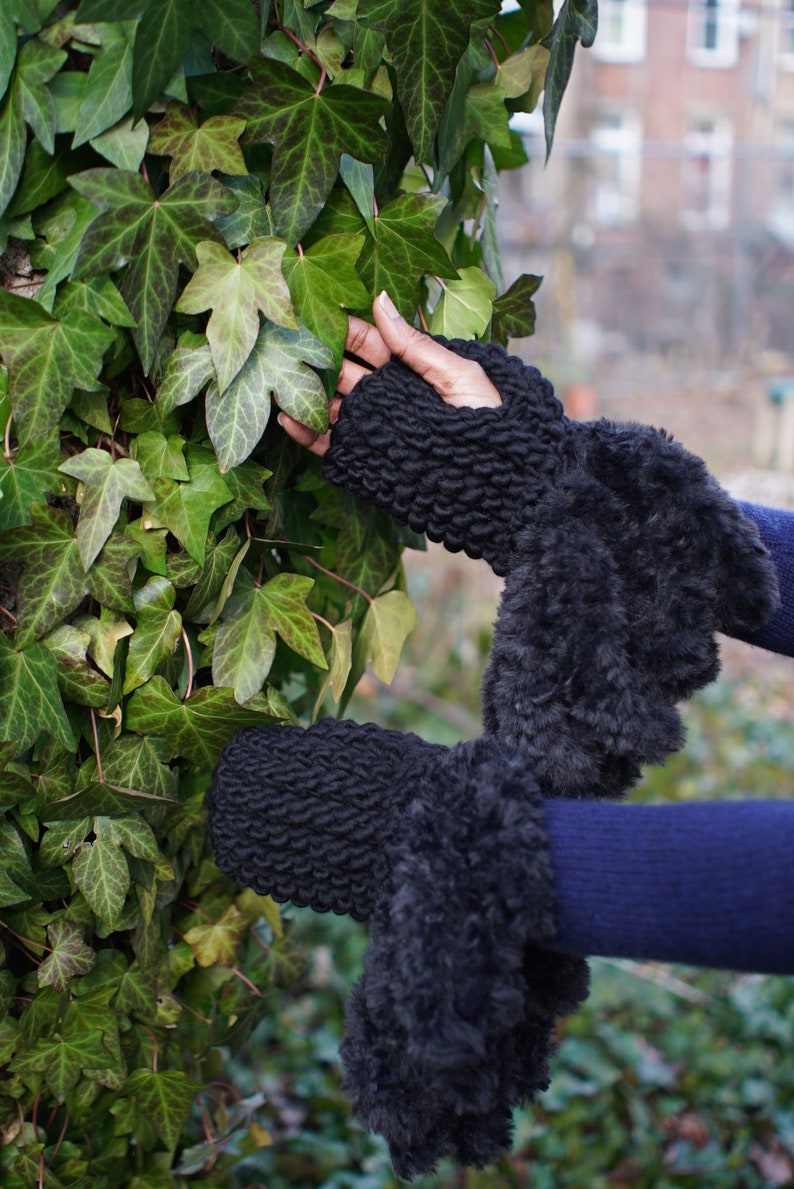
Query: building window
x,y
616,141
785,32
713,32
622,30
707,175
780,212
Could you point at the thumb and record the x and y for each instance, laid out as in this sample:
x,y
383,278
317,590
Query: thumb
x,y
457,381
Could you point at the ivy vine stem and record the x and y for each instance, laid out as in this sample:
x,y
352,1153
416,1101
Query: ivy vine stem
x,y
338,577
97,753
7,440
190,669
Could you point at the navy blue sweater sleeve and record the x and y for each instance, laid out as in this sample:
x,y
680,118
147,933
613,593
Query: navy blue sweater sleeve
x,y
777,532
706,884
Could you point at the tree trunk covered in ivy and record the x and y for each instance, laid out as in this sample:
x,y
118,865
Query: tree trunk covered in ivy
x,y
193,196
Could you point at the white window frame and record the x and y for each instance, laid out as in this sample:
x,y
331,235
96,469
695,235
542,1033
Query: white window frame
x,y
725,52
717,146
785,34
618,204
630,45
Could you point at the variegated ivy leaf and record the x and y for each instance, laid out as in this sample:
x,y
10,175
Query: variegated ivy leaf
x,y
236,290
101,872
245,643
209,146
277,368
107,483
70,957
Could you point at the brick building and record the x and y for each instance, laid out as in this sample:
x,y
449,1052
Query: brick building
x,y
665,218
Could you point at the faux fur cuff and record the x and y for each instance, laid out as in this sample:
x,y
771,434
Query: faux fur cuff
x,y
451,1025
630,566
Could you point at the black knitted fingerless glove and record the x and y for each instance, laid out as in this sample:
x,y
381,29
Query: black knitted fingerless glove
x,y
451,1024
623,558
467,477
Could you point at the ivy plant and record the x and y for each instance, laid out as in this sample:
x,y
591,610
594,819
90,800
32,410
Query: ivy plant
x,y
193,197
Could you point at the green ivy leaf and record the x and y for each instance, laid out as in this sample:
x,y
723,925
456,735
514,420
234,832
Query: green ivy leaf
x,y
102,874
164,1098
389,620
140,763
514,310
30,704
160,456
309,131
246,483
213,145
577,20
12,146
198,728
186,508
187,370
58,843
252,219
104,633
277,367
137,838
123,145
324,284
60,1062
107,484
37,62
151,235
53,582
208,587
339,661
26,479
236,290
78,681
523,76
465,306
99,297
404,249
70,957
245,643
47,359
109,579
217,943
426,41
156,632
107,95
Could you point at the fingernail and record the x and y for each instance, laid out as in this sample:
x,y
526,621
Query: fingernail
x,y
280,419
388,306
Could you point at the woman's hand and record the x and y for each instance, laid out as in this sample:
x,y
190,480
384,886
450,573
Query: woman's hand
x,y
459,382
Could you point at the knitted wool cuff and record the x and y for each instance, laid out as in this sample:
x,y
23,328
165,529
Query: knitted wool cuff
x,y
451,1024
305,815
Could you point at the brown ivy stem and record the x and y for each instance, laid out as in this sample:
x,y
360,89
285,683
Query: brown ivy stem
x,y
247,981
41,1167
206,1125
322,620
190,670
495,29
198,1015
154,1042
144,172
338,577
305,50
299,249
422,318
60,1137
97,753
35,1116
231,1090
10,614
26,940
7,441
492,52
259,940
